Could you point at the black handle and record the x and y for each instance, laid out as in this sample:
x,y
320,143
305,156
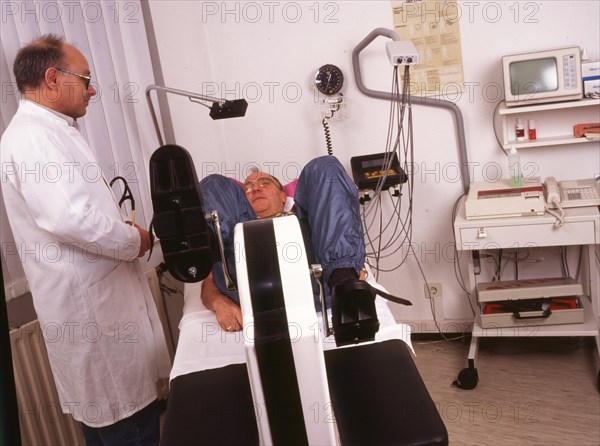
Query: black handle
x,y
545,314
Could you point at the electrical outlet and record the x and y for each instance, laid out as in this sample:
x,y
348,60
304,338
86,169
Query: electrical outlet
x,y
435,290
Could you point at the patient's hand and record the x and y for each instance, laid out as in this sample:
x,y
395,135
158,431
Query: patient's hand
x,y
227,312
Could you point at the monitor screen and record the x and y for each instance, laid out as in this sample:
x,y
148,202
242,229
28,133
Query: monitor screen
x,y
533,76
373,163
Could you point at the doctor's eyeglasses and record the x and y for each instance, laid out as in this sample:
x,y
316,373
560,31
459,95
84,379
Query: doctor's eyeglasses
x,y
87,79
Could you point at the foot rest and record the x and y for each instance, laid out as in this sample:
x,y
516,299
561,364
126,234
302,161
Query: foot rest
x,y
353,313
379,397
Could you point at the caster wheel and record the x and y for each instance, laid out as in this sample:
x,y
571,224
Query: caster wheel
x,y
467,379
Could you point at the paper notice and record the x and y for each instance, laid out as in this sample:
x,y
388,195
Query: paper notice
x,y
433,27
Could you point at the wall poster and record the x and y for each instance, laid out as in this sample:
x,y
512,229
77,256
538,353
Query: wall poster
x,y
433,27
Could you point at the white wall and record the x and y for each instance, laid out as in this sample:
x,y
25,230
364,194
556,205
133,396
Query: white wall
x,y
269,53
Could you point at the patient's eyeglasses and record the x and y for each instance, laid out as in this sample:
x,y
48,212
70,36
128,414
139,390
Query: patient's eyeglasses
x,y
87,79
262,183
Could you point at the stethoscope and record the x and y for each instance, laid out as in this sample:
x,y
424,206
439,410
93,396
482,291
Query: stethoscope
x,y
127,195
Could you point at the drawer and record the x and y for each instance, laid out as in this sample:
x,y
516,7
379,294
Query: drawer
x,y
533,318
523,236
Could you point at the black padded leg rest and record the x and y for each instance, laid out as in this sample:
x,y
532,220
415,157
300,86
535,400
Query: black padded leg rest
x,y
379,397
179,221
212,407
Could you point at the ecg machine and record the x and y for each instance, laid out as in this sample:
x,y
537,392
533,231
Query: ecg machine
x,y
500,199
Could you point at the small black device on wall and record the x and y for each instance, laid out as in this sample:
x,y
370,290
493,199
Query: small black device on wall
x,y
367,170
329,79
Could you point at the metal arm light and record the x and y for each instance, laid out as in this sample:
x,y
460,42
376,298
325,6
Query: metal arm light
x,y
220,108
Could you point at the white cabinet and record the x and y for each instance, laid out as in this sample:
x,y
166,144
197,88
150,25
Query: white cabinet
x,y
566,114
581,227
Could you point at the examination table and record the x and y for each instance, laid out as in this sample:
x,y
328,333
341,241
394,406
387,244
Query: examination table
x,y
377,394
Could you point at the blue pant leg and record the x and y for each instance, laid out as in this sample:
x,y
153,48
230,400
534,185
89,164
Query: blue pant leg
x,y
225,196
328,199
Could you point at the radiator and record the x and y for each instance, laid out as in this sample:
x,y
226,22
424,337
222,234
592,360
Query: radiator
x,y
40,414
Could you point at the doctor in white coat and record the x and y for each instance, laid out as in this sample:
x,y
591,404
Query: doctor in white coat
x,y
100,325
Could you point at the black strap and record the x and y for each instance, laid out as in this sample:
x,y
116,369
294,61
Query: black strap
x,y
390,297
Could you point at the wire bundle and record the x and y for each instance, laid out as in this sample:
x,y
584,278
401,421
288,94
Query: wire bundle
x,y
385,239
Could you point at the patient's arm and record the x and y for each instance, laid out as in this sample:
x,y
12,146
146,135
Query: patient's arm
x,y
228,313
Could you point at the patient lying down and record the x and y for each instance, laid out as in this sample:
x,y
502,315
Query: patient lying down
x,y
267,197
326,203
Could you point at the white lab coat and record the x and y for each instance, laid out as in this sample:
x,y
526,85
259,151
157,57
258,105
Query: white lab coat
x,y
99,321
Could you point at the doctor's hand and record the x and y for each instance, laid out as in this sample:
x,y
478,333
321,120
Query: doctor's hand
x,y
144,240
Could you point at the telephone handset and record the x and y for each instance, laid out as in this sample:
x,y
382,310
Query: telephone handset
x,y
572,193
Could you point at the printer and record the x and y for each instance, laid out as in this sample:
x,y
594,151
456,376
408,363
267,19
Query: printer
x,y
498,199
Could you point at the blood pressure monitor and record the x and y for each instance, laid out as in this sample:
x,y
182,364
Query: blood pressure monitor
x,y
367,170
329,79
